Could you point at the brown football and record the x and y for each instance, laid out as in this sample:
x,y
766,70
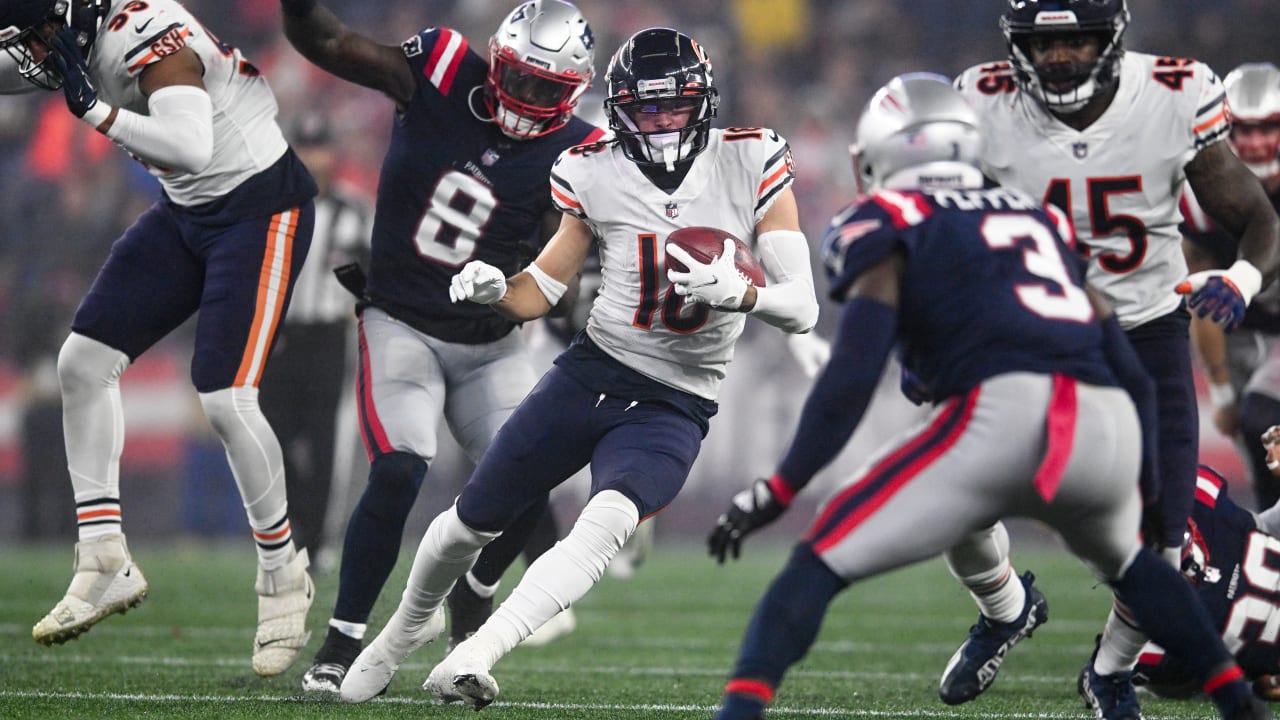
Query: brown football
x,y
705,244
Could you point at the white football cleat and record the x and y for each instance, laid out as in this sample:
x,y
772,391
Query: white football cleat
x,y
560,624
461,682
105,582
373,670
284,597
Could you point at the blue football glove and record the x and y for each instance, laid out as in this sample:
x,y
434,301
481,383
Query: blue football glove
x,y
913,388
1222,295
76,85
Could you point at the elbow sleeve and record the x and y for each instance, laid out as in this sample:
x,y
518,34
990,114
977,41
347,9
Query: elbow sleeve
x,y
177,135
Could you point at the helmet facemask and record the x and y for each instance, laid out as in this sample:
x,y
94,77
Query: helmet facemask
x,y
666,146
85,16
539,67
1065,88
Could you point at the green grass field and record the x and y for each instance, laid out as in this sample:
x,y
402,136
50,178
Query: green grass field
x,y
659,645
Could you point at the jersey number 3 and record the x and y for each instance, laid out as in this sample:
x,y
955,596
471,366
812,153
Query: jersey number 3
x,y
1066,301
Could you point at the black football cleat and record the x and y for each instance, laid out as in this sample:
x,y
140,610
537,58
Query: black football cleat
x,y
974,665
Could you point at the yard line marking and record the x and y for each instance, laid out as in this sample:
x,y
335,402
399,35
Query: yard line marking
x,y
517,667
648,707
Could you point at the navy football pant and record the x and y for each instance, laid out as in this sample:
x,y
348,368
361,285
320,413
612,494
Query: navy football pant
x,y
1164,347
643,450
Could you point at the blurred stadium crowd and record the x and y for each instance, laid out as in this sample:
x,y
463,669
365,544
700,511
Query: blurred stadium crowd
x,y
803,67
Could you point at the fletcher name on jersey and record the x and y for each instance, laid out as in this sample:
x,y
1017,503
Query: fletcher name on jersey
x,y
436,212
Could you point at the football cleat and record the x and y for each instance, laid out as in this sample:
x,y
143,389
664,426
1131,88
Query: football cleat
x,y
467,612
105,582
284,597
975,664
560,624
460,680
376,665
1110,697
331,663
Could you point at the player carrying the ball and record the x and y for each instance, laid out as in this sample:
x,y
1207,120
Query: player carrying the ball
x,y
633,394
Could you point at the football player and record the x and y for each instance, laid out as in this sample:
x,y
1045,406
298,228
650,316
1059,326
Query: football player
x,y
1032,380
1110,138
464,178
225,240
1243,367
633,394
1230,558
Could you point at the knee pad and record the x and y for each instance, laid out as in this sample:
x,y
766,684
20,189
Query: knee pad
x,y
86,363
394,482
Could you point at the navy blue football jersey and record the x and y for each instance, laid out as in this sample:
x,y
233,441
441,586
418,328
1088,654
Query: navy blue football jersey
x,y
453,189
1235,568
990,286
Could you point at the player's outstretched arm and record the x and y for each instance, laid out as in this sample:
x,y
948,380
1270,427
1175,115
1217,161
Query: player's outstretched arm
x,y
327,42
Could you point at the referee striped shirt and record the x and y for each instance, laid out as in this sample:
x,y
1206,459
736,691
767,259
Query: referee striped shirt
x,y
342,231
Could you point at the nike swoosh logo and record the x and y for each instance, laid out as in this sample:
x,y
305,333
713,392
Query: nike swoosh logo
x,y
143,26
269,643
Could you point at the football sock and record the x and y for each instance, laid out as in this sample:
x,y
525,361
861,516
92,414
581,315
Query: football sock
x,y
559,578
352,630
783,627
93,421
98,518
981,563
1166,605
498,555
253,452
448,550
480,589
1120,646
274,544
372,542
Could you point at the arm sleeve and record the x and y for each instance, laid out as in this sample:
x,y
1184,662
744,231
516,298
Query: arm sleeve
x,y
842,392
788,302
177,135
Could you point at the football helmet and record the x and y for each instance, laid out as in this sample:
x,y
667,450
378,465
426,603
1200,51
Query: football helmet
x,y
1253,100
540,63
1065,88
20,21
660,70
917,132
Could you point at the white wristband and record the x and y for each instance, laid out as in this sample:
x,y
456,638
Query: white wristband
x,y
1246,278
97,114
1222,395
552,289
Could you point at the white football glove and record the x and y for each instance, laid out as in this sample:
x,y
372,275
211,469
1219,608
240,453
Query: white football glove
x,y
718,283
810,351
478,282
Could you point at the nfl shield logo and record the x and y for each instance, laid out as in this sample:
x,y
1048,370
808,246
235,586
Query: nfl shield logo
x,y
489,158
672,210
1080,150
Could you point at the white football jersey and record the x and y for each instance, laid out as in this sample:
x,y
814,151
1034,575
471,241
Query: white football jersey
x,y
1121,177
246,138
637,318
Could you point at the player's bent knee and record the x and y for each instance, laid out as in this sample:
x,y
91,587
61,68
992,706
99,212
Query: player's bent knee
x,y
85,363
450,538
601,530
979,553
228,408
